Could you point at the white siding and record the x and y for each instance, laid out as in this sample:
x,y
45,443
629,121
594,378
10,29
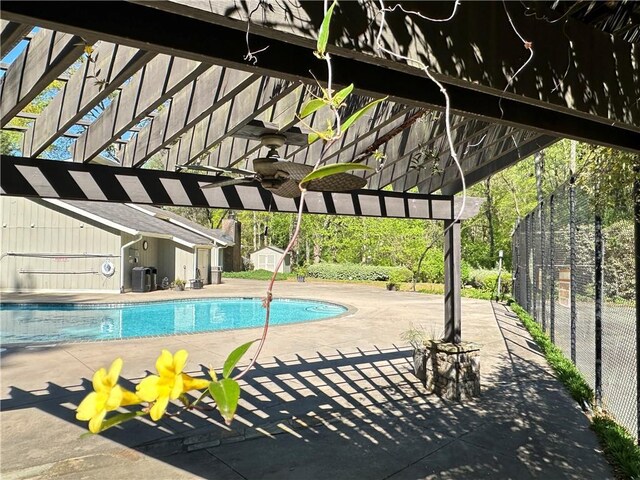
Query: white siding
x,y
29,227
184,263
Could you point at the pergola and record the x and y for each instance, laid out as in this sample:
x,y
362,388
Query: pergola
x,y
174,85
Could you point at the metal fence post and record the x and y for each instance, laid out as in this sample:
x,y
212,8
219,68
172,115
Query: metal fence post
x,y
527,243
636,231
514,263
534,269
598,306
542,274
552,275
572,261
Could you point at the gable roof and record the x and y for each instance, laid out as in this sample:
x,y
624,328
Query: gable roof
x,y
214,234
134,220
270,247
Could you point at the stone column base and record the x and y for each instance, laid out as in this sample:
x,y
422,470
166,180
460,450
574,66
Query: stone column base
x,y
450,371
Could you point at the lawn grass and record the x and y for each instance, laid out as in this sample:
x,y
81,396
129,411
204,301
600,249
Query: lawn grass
x,y
619,446
256,275
428,288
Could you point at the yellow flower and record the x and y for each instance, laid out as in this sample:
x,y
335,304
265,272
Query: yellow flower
x,y
169,384
108,396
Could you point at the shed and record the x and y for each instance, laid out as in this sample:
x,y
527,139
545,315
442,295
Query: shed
x,y
268,257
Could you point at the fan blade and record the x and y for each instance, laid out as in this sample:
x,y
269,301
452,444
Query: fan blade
x,y
224,182
340,182
237,171
297,171
288,188
209,168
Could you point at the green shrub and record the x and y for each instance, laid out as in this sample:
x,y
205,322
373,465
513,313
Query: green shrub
x,y
567,372
619,446
487,280
352,271
432,268
255,275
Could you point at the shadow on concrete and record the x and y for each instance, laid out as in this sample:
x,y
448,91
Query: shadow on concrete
x,y
352,414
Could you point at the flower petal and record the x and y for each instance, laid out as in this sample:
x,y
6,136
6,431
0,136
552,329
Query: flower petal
x,y
190,383
98,380
176,388
114,371
129,398
147,389
179,361
158,409
88,407
164,364
114,399
95,424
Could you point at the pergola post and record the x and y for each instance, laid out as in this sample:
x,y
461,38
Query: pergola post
x,y
452,283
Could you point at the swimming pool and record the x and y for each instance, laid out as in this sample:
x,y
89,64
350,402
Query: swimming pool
x,y
54,323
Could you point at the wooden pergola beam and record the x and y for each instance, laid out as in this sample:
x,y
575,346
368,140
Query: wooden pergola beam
x,y
420,137
375,77
152,85
229,118
506,159
10,34
208,92
48,54
110,66
37,178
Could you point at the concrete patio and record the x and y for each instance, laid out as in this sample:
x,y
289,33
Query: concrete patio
x,y
329,399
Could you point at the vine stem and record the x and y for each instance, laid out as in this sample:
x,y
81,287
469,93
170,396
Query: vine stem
x,y
294,237
269,297
423,66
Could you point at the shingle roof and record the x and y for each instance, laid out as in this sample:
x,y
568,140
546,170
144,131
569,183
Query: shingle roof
x,y
209,232
131,217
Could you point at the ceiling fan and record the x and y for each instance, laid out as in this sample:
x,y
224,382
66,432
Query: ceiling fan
x,y
277,175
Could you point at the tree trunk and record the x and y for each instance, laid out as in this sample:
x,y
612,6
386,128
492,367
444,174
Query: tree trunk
x,y
538,160
488,211
255,232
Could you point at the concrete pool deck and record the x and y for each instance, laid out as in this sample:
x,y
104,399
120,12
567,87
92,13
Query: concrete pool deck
x,y
328,399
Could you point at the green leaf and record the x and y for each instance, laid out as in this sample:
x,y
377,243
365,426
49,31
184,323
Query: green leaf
x,y
326,135
116,420
323,34
341,96
226,393
234,357
349,121
327,170
312,138
311,106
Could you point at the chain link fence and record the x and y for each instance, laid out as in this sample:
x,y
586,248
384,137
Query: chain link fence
x,y
575,273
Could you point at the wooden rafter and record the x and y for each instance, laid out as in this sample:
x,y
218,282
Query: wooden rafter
x,y
48,54
150,87
107,69
229,118
192,104
10,34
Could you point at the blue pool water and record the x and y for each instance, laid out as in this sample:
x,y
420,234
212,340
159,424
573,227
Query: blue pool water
x,y
50,323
